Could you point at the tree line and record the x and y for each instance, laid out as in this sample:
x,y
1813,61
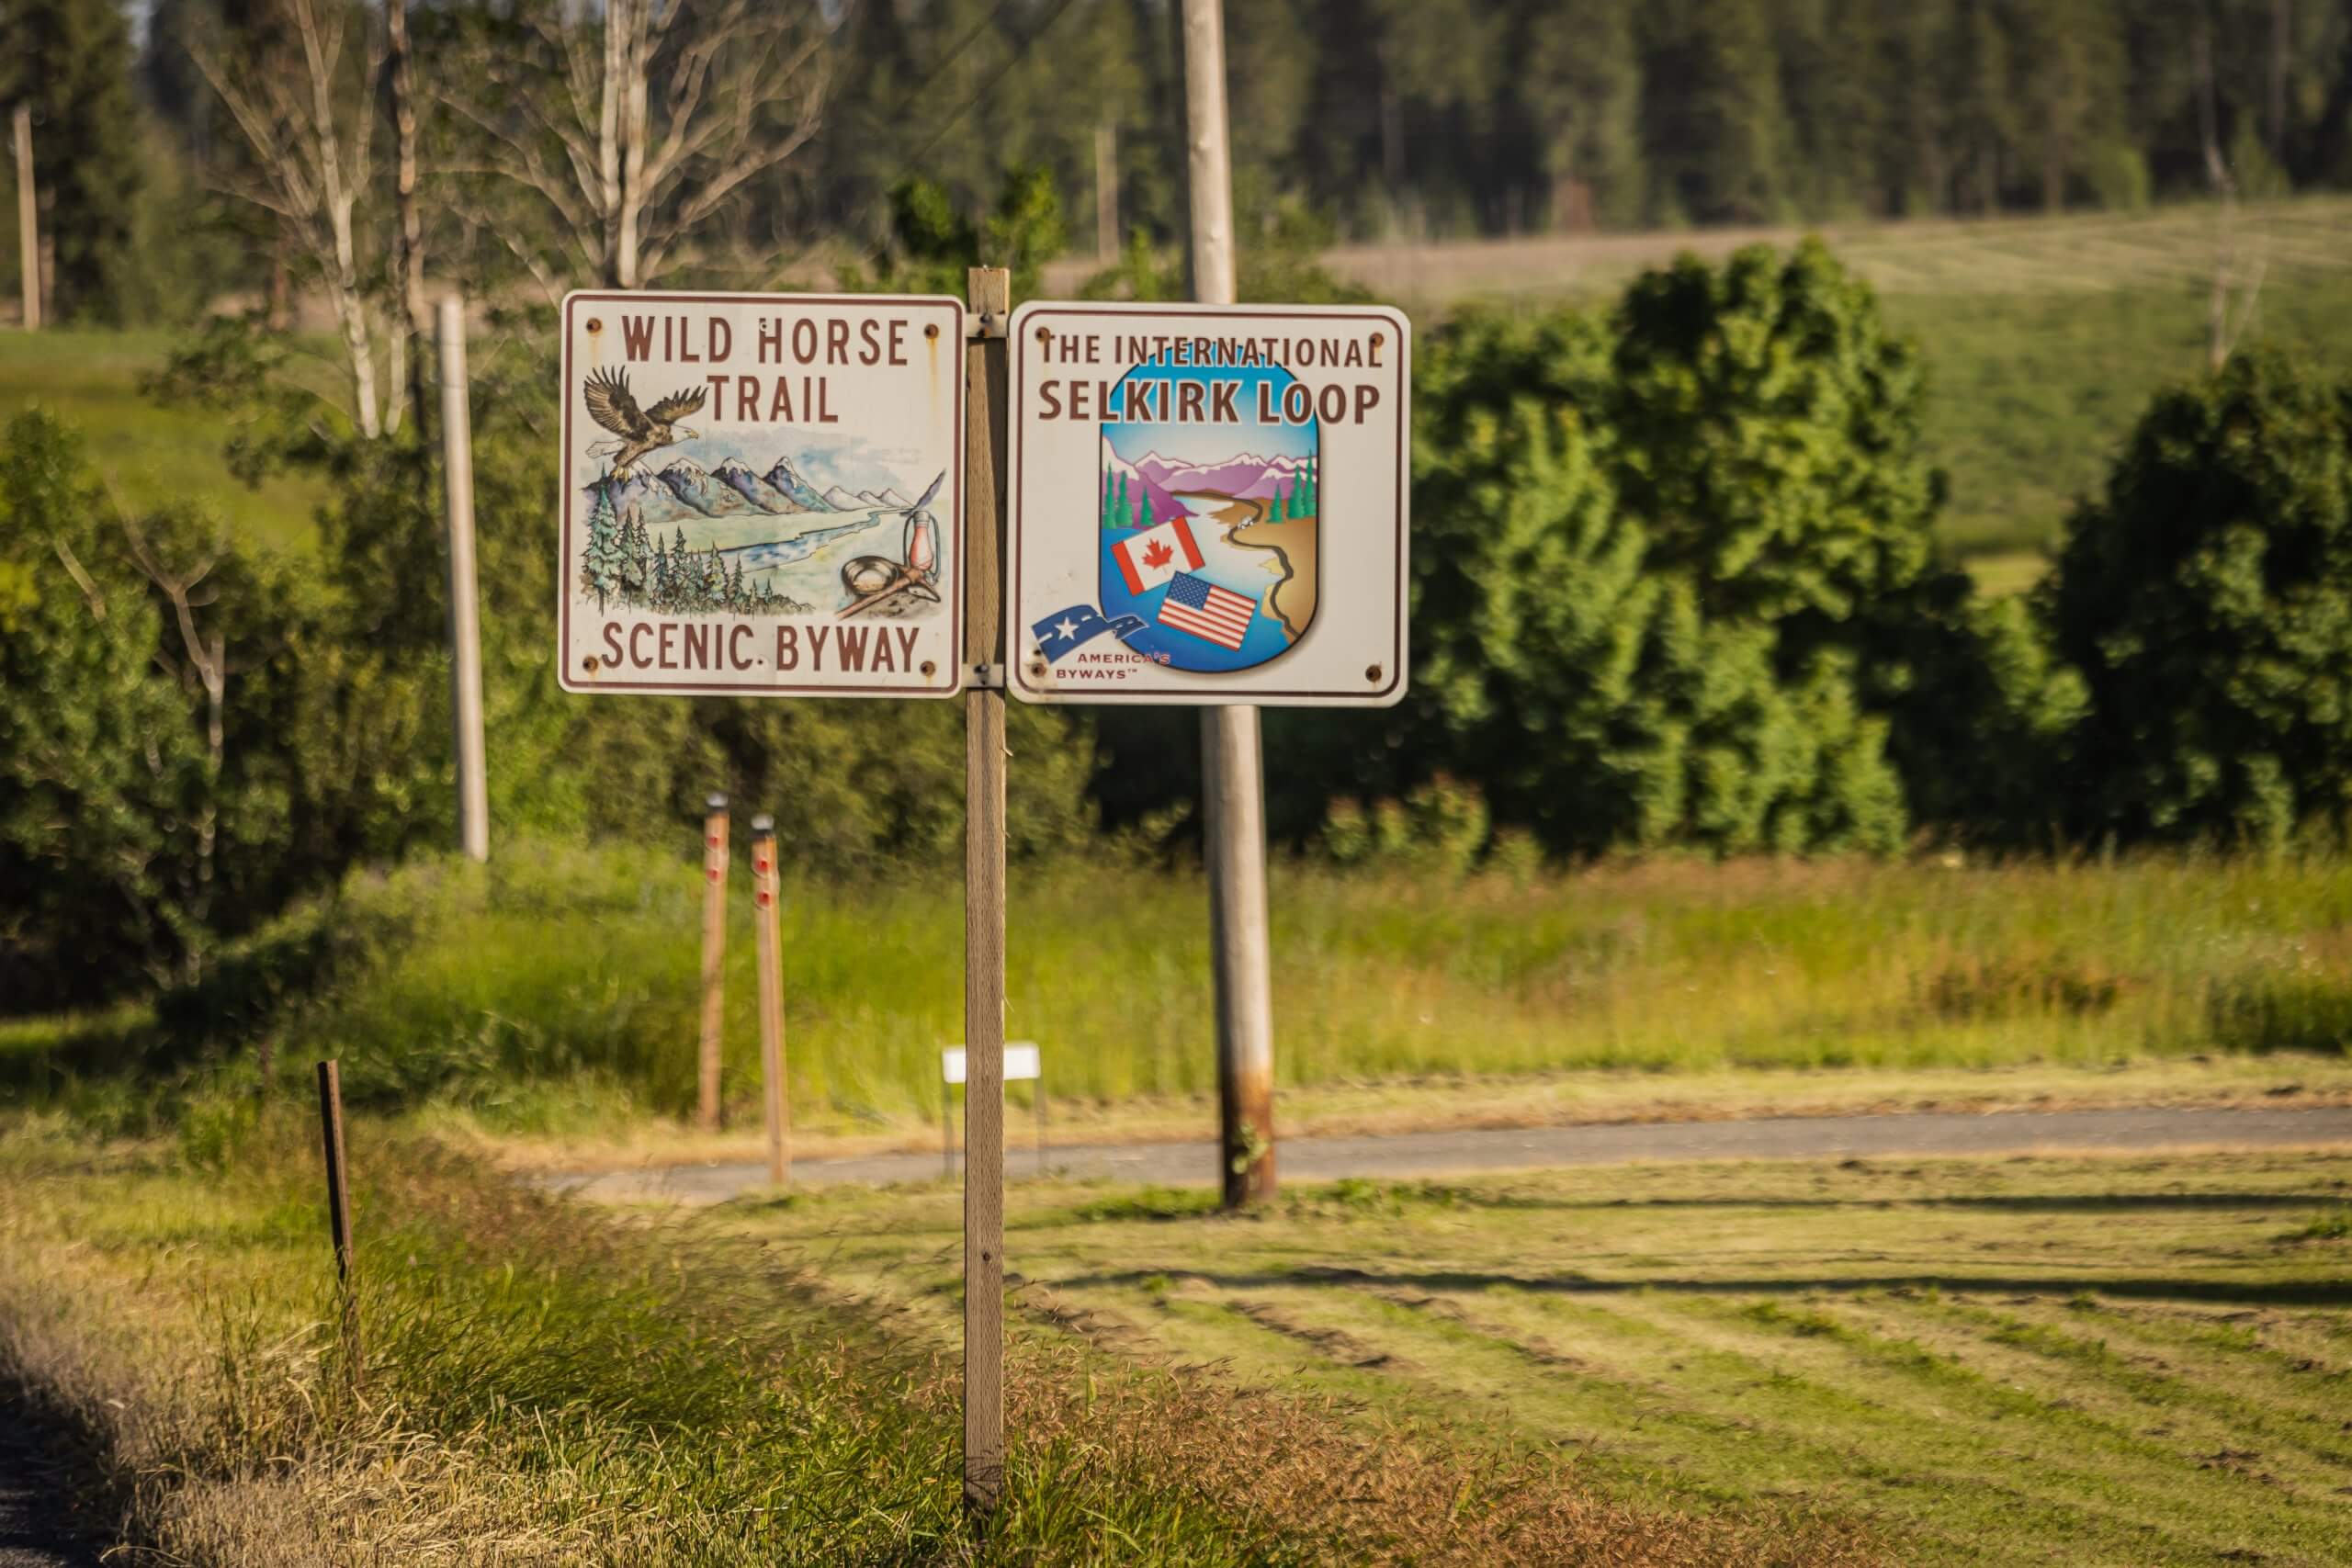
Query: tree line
x,y
266,148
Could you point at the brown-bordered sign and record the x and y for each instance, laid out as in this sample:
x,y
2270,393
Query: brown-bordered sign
x,y
1208,504
762,494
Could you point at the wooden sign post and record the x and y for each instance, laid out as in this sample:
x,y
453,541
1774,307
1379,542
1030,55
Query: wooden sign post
x,y
764,896
714,955
339,1209
986,399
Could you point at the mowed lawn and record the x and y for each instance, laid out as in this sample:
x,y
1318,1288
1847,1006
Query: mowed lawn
x,y
2144,1360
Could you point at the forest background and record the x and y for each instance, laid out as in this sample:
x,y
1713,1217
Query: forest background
x,y
1681,579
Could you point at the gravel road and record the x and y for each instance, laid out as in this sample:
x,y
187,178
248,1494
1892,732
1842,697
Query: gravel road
x,y
1519,1148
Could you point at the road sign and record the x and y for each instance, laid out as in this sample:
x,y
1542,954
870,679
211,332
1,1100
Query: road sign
x,y
1021,1061
762,494
1208,504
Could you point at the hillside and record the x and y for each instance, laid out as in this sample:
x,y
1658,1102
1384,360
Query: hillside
x,y
2043,337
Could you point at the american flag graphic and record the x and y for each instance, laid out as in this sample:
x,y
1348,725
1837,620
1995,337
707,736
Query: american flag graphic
x,y
1196,604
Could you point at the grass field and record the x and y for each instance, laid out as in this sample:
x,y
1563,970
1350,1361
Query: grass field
x,y
2043,337
542,1385
2141,1361
151,454
555,991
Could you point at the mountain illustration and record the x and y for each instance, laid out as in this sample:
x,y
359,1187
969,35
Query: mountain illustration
x,y
871,499
691,483
653,502
737,476
1162,506
840,500
1247,474
787,481
892,498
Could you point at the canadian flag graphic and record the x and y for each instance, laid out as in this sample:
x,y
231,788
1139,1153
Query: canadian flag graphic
x,y
1157,554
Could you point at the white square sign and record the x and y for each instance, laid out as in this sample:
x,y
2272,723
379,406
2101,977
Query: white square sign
x,y
1208,504
762,494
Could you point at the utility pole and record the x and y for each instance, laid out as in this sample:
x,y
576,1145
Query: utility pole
x,y
1106,193
27,215
1232,765
465,616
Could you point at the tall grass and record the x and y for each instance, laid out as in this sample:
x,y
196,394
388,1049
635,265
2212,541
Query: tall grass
x,y
563,980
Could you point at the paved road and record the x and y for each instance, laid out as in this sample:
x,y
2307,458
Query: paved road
x,y
1432,1154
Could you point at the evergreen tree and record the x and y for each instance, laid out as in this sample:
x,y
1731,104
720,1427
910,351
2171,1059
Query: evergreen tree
x,y
601,562
73,60
1583,90
636,568
1143,518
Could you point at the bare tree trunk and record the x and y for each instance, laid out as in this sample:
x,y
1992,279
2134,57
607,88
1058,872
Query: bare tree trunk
x,y
280,312
207,662
2282,28
1392,136
634,123
1106,192
608,130
338,198
409,241
2233,275
350,310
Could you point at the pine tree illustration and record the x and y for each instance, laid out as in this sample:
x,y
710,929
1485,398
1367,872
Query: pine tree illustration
x,y
600,563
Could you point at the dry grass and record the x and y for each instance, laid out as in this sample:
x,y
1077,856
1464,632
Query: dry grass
x,y
548,1386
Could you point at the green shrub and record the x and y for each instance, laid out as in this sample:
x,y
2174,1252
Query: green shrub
x,y
2285,1011
2206,597
1662,564
148,811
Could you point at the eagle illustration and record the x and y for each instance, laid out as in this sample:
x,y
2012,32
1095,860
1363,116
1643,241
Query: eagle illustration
x,y
611,405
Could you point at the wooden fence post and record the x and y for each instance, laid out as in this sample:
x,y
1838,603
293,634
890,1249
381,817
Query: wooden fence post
x,y
339,1209
763,913
714,957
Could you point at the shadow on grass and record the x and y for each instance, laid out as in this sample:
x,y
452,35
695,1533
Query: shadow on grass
x,y
2236,1292
1163,1205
